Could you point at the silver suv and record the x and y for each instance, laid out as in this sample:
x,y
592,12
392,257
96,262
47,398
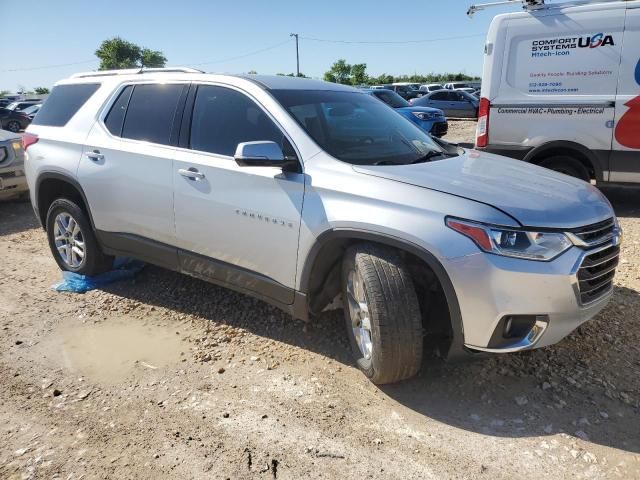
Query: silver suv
x,y
309,195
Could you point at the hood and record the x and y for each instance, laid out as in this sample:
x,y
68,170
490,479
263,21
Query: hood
x,y
421,109
532,195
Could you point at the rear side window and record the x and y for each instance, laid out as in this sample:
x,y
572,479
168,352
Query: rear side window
x,y
63,103
151,111
439,96
115,118
223,118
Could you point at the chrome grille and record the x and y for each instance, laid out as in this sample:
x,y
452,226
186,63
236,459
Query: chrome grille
x,y
595,234
595,276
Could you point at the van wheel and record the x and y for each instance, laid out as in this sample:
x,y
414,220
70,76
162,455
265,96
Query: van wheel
x,y
382,313
567,165
13,126
72,241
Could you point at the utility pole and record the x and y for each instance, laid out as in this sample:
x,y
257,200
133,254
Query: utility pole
x,y
297,54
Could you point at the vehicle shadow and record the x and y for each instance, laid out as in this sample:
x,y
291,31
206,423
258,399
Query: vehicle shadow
x,y
625,200
584,386
16,216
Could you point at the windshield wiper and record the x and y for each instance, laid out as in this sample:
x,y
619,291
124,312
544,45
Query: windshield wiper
x,y
425,158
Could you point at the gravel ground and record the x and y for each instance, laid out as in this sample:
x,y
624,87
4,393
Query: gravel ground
x,y
170,377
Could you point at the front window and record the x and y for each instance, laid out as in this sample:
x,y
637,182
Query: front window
x,y
358,129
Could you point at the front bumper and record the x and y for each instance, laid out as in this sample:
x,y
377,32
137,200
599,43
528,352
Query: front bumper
x,y
440,128
491,288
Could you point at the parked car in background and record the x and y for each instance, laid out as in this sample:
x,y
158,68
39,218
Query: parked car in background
x,y
453,103
13,120
469,90
406,91
12,179
419,238
22,104
431,87
4,102
32,110
429,119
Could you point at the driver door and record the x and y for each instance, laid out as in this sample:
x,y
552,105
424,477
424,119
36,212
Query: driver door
x,y
235,225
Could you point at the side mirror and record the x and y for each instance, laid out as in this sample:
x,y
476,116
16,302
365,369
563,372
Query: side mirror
x,y
259,154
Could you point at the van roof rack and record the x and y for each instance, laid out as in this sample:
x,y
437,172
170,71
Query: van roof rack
x,y
135,71
534,4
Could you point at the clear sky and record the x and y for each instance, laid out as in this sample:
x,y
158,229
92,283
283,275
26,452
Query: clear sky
x,y
209,34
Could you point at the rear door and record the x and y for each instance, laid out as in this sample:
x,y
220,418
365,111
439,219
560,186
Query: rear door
x,y
235,225
625,157
127,164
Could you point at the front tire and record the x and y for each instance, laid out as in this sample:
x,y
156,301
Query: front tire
x,y
382,313
72,241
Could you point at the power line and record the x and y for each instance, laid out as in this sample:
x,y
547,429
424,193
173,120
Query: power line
x,y
244,55
393,42
48,66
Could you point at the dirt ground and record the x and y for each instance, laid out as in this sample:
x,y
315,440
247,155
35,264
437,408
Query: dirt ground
x,y
169,377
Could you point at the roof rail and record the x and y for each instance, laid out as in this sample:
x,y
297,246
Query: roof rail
x,y
135,71
535,4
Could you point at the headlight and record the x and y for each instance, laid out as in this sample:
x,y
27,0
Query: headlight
x,y
527,244
424,115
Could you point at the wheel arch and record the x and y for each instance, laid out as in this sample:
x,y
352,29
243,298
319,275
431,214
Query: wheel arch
x,y
53,185
575,150
327,251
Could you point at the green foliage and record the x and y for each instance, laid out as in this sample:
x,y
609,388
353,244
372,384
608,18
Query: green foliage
x,y
340,72
356,74
152,58
253,72
4,92
116,53
41,90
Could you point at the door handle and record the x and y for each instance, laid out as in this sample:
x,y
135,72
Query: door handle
x,y
95,155
191,174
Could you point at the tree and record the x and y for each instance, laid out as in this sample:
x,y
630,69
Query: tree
x,y
359,74
41,90
252,72
116,53
4,92
340,72
152,58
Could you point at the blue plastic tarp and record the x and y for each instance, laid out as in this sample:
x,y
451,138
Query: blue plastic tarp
x,y
123,269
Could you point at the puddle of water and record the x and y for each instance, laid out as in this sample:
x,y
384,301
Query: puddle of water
x,y
115,350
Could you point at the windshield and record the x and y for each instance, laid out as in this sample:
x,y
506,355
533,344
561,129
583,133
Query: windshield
x,y
356,128
31,109
391,98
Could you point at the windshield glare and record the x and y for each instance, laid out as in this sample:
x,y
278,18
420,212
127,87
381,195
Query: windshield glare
x,y
356,128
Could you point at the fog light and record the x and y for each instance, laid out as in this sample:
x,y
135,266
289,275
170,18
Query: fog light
x,y
512,329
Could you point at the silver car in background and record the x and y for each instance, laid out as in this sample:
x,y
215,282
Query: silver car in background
x,y
312,195
12,179
454,103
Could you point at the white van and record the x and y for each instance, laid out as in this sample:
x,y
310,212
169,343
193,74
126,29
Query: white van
x,y
561,88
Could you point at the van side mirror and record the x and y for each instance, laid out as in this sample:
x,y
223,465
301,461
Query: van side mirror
x,y
260,154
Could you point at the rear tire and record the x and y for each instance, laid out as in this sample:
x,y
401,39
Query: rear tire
x,y
567,165
382,313
13,126
72,241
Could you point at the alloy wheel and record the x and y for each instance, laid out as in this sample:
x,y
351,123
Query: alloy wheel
x,y
359,313
69,240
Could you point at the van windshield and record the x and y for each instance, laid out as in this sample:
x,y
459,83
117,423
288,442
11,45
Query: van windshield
x,y
356,128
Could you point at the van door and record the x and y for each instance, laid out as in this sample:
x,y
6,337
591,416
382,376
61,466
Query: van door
x,y
625,157
235,225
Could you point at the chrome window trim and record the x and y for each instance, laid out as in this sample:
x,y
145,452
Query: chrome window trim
x,y
108,104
